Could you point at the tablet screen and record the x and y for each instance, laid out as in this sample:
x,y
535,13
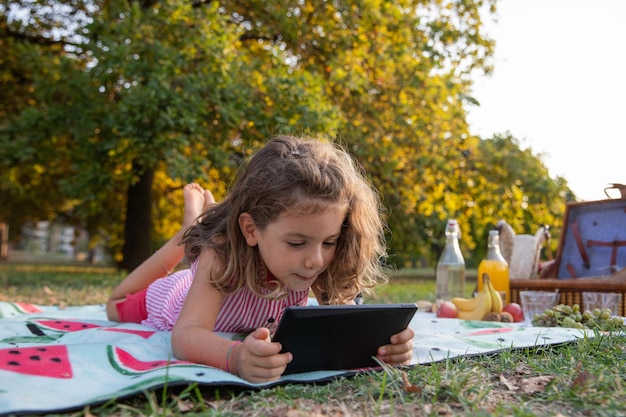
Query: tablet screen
x,y
340,337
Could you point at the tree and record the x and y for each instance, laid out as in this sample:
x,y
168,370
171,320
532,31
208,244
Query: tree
x,y
159,88
33,45
516,186
142,97
399,72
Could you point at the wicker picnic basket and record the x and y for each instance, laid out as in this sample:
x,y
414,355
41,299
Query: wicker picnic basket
x,y
591,255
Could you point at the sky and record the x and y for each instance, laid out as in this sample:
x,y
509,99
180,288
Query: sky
x,y
559,87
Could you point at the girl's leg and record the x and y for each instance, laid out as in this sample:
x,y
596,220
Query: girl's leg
x,y
165,259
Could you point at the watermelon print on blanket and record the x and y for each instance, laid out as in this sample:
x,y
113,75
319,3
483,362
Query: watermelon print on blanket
x,y
141,333
47,361
66,325
17,309
27,308
127,364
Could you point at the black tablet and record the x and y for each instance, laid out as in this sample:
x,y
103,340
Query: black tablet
x,y
343,337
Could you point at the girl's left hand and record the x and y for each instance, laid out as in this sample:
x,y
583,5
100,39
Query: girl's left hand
x,y
400,351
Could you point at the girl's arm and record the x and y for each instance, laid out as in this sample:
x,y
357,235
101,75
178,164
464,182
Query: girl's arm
x,y
257,359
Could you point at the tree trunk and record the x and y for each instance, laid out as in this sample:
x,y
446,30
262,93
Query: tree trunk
x,y
138,224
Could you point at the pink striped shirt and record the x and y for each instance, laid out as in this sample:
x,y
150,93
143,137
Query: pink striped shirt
x,y
241,312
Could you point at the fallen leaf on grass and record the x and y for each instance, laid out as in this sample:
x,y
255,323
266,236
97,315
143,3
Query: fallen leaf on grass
x,y
535,384
528,385
87,412
509,384
304,413
583,379
215,405
408,386
184,406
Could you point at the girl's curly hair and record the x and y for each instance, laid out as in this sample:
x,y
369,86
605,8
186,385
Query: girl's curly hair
x,y
304,176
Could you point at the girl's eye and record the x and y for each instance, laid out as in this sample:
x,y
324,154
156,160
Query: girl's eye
x,y
295,244
333,243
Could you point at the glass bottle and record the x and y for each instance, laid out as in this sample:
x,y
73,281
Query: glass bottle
x,y
495,266
450,273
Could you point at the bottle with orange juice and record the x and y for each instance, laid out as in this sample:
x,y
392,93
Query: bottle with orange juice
x,y
495,266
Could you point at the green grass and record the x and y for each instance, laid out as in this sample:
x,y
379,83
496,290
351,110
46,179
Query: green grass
x,y
410,285
586,378
57,285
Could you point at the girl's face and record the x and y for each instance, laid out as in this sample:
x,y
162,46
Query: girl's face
x,y
296,248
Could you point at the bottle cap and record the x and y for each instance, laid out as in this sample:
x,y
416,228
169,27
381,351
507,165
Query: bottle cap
x,y
453,227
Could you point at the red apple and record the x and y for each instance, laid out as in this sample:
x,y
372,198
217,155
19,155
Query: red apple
x,y
446,309
516,311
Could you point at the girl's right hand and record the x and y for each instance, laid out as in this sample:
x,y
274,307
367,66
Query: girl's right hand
x,y
258,359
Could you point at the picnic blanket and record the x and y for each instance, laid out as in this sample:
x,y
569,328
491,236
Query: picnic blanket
x,y
54,360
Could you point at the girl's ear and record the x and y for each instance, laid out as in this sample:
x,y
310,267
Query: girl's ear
x,y
248,229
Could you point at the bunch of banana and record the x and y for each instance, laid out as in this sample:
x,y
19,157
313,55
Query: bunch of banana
x,y
487,300
496,300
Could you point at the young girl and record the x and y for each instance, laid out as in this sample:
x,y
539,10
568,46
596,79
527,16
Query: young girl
x,y
301,217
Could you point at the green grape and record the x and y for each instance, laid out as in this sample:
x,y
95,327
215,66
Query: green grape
x,y
568,322
572,317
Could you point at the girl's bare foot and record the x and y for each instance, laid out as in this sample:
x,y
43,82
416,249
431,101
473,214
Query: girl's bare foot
x,y
208,200
197,200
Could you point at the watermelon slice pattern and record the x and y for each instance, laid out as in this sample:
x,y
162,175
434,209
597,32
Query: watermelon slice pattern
x,y
28,308
47,361
69,326
141,333
127,364
17,309
66,325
